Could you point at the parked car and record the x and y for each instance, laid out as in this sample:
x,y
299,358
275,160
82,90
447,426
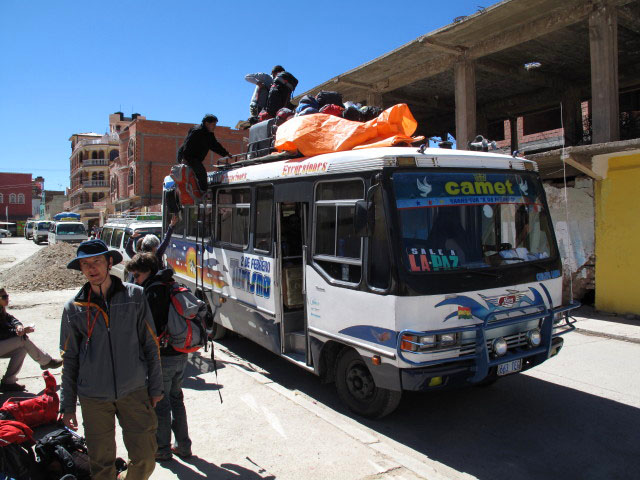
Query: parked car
x,y
4,233
41,231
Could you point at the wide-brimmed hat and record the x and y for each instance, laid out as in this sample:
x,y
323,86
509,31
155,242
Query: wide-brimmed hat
x,y
93,248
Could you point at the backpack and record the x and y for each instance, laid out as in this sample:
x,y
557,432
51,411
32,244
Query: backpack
x,y
331,109
63,452
186,331
34,411
186,184
328,98
280,92
17,462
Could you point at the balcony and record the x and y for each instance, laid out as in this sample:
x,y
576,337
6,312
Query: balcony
x,y
109,139
95,183
89,206
94,162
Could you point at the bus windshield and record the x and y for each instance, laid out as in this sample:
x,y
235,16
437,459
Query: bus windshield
x,y
70,229
454,220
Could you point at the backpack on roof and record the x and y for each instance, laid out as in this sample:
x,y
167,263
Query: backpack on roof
x,y
186,328
187,187
34,411
329,98
62,452
280,93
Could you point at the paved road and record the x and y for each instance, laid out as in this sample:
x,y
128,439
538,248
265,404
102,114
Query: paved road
x,y
576,416
13,250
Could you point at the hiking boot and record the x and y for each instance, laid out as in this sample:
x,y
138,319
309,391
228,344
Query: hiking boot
x,y
12,387
180,453
53,363
163,457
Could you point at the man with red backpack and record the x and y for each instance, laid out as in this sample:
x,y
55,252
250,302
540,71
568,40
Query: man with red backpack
x,y
171,412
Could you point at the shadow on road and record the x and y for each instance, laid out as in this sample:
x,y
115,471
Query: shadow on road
x,y
196,467
519,428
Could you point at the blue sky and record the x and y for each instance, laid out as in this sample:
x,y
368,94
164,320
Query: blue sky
x,y
65,66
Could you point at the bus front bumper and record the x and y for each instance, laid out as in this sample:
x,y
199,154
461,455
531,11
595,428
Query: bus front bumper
x,y
482,366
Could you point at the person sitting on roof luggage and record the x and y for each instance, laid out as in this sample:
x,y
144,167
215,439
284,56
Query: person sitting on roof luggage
x,y
15,344
171,411
263,83
199,140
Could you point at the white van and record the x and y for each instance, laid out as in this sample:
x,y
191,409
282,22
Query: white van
x,y
117,231
40,231
69,232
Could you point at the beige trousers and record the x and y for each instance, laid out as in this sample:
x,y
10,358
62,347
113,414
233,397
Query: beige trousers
x,y
138,421
16,348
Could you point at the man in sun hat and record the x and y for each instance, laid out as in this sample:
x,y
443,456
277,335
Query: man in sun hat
x,y
111,363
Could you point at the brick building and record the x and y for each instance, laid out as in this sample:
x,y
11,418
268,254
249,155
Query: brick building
x,y
148,149
15,199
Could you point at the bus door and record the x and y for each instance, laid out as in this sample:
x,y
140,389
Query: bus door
x,y
291,247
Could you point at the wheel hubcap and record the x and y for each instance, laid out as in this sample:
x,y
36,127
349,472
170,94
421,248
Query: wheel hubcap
x,y
359,382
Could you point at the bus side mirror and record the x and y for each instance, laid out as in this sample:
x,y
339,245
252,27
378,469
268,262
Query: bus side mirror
x,y
363,218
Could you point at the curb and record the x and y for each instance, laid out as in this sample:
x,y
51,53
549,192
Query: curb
x,y
611,336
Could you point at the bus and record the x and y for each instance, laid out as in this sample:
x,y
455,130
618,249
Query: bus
x,y
383,269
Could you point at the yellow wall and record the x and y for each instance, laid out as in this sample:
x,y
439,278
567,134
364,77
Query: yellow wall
x,y
618,236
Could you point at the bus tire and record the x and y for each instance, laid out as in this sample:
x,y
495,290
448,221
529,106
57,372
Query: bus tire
x,y
357,389
217,332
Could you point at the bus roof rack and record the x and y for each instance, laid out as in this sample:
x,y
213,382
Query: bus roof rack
x,y
148,216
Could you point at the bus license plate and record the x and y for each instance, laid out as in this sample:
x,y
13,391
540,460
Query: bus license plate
x,y
510,367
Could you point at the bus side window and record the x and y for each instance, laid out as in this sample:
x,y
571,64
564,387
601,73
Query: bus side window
x,y
232,216
338,251
192,222
379,256
178,230
264,213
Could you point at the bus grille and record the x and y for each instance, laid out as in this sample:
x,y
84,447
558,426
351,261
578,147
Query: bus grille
x,y
513,341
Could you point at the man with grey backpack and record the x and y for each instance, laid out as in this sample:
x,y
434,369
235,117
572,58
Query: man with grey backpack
x,y
177,336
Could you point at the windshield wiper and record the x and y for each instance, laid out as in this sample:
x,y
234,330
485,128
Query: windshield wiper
x,y
481,272
530,262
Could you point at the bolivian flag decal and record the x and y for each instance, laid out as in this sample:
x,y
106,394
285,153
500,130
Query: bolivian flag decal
x,y
464,313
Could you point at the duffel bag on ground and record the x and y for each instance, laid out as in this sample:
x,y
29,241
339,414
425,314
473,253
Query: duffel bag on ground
x,y
34,411
62,452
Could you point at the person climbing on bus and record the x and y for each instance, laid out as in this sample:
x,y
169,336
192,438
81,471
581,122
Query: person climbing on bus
x,y
199,140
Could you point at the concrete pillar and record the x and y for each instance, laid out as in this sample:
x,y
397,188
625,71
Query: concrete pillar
x,y
374,99
603,42
513,130
465,91
571,117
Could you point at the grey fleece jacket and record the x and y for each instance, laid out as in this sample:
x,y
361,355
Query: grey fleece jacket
x,y
109,349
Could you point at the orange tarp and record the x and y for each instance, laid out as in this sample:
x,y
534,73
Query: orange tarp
x,y
320,133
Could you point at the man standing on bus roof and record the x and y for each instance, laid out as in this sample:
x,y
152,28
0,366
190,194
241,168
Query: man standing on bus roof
x,y
111,363
199,140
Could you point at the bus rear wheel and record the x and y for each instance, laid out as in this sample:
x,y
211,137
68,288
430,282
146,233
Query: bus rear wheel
x,y
357,388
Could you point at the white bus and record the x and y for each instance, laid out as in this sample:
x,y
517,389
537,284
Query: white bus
x,y
382,269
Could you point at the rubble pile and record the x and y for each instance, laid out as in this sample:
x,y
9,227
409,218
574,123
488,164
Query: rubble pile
x,y
45,270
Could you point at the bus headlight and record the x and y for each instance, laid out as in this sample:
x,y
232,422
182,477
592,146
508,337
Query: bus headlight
x,y
427,341
534,338
448,339
499,346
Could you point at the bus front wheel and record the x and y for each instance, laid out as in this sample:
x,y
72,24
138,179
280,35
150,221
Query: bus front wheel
x,y
357,389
